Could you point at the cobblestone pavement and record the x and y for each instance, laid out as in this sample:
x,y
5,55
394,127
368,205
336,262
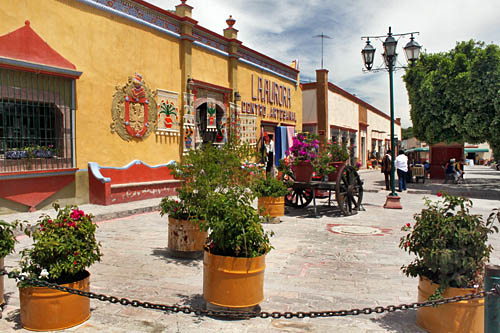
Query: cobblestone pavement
x,y
315,266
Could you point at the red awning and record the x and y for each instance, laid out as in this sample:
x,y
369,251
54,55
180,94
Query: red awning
x,y
24,45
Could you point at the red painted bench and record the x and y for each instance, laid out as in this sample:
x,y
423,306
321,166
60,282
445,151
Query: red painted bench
x,y
135,181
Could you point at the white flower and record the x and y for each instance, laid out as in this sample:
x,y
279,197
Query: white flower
x,y
44,274
23,275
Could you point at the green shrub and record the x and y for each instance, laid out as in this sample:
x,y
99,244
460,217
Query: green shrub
x,y
450,243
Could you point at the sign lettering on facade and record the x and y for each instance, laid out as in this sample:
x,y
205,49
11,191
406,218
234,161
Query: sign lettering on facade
x,y
277,96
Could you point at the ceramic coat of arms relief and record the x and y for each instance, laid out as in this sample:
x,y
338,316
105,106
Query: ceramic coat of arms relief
x,y
134,110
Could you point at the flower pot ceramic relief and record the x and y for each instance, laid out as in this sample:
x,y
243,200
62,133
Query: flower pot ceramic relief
x,y
45,309
464,316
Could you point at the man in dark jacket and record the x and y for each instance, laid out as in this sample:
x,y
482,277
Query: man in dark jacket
x,y
386,169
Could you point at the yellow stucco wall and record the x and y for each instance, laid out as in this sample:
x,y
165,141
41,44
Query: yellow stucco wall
x,y
209,67
107,49
245,73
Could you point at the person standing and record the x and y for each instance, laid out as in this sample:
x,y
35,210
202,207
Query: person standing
x,y
269,151
386,169
402,168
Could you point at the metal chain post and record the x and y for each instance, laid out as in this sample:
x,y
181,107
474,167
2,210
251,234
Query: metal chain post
x,y
495,291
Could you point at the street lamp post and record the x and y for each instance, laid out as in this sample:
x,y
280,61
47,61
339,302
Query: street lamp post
x,y
412,51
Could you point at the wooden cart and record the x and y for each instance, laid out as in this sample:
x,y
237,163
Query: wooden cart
x,y
348,189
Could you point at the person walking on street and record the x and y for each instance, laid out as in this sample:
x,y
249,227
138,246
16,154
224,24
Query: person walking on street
x,y
402,168
386,169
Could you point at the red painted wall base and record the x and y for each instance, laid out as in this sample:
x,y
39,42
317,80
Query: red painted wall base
x,y
136,181
31,189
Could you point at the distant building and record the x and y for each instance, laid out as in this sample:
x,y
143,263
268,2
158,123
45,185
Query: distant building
x,y
336,114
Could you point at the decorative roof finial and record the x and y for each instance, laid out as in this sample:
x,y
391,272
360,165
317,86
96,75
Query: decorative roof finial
x,y
183,2
27,22
230,21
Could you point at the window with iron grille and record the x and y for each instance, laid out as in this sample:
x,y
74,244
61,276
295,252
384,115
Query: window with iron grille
x,y
35,121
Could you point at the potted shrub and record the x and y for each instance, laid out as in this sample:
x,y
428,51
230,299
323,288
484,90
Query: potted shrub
x,y
7,242
186,234
220,181
203,171
271,195
451,248
338,154
303,152
234,259
63,247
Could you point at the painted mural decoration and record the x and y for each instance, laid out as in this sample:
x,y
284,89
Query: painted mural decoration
x,y
168,113
133,110
222,130
211,114
189,122
245,125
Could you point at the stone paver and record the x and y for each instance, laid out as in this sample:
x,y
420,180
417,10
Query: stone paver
x,y
310,269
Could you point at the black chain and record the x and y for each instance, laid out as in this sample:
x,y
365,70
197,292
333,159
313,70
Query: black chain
x,y
262,314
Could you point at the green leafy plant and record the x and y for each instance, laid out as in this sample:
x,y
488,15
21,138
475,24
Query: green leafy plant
x,y
178,209
235,226
322,163
204,171
8,237
63,247
268,186
217,191
337,152
450,243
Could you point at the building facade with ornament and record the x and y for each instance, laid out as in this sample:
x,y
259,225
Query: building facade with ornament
x,y
337,115
97,97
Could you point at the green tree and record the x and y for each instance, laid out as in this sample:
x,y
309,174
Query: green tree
x,y
455,95
407,133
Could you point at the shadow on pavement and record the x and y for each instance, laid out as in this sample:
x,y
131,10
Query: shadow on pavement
x,y
399,321
15,317
165,255
308,211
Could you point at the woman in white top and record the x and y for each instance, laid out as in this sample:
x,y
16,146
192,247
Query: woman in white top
x,y
402,168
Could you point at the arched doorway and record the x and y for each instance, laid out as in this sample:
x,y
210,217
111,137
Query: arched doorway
x,y
208,136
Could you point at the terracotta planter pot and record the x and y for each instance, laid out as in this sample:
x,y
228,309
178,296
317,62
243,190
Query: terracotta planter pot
x,y
233,282
272,206
332,177
464,316
185,238
2,299
44,309
303,171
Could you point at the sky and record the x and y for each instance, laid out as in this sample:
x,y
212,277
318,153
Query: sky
x,y
284,30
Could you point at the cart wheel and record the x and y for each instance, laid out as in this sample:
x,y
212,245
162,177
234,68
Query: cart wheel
x,y
299,198
349,190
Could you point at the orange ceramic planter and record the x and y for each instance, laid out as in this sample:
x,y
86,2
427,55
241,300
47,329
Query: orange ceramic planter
x,y
184,237
233,282
464,316
45,309
272,206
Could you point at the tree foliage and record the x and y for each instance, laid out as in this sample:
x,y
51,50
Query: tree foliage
x,y
455,95
407,133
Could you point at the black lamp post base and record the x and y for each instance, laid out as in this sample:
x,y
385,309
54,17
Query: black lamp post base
x,y
393,202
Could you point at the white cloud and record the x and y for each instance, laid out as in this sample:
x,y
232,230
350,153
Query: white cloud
x,y
283,29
